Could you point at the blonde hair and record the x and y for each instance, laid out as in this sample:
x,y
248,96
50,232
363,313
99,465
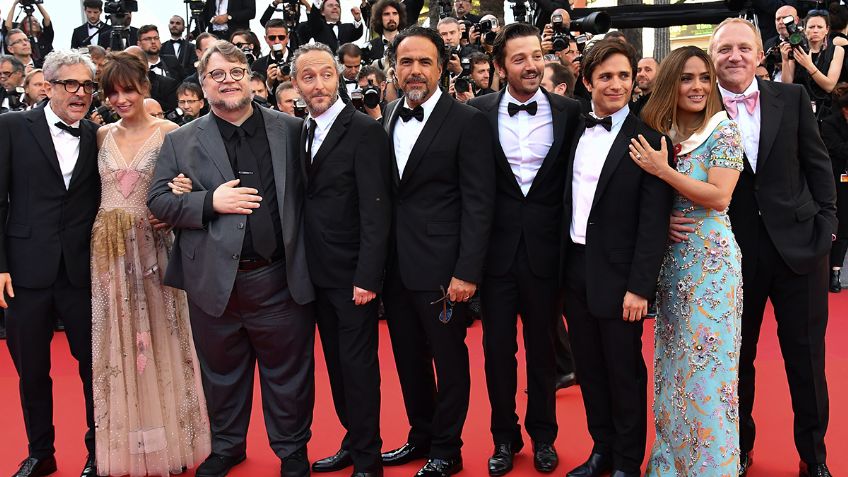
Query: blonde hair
x,y
727,21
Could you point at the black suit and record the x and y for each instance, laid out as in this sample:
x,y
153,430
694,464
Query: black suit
x,y
783,218
241,11
171,66
186,58
319,30
522,277
544,10
347,215
834,133
443,208
45,235
625,242
79,38
164,90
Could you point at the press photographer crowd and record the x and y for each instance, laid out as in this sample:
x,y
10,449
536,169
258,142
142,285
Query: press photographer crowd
x,y
185,209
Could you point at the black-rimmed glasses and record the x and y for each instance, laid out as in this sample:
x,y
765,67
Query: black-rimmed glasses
x,y
220,75
447,306
72,86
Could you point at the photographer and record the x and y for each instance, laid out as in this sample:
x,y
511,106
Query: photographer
x,y
11,78
93,27
816,68
258,88
388,18
546,8
481,74
190,100
323,24
771,46
248,43
350,56
449,30
226,17
35,88
372,79
287,97
41,37
558,40
277,38
462,9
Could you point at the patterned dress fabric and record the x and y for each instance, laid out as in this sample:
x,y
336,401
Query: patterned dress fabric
x,y
150,413
697,330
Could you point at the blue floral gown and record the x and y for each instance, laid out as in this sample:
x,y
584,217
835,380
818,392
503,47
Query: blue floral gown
x,y
697,340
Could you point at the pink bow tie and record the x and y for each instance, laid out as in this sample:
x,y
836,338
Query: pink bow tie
x,y
750,101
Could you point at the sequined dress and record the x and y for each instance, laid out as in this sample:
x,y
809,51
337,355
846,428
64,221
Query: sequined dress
x,y
697,330
150,413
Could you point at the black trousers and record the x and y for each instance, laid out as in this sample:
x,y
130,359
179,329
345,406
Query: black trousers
x,y
29,327
537,300
349,339
420,340
613,376
261,323
562,349
800,308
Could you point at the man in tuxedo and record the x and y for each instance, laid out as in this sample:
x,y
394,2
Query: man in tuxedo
x,y
323,23
462,10
225,17
522,274
179,47
444,199
242,264
784,217
277,38
202,43
350,57
92,28
388,18
49,195
615,224
646,72
162,88
164,65
347,215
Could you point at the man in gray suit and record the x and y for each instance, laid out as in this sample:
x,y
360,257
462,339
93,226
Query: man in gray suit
x,y
239,255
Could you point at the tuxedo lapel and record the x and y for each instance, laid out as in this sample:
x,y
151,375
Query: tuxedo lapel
x,y
88,150
492,114
575,139
559,119
334,135
302,155
389,125
616,152
771,113
278,142
211,142
431,128
41,131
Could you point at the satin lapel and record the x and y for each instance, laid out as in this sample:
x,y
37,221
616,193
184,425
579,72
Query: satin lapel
x,y
212,143
334,135
575,139
389,126
41,131
771,113
500,157
302,156
616,152
278,141
87,153
559,119
431,128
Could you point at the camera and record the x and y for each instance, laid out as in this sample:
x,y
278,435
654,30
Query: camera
x,y
179,116
248,52
277,55
196,6
484,28
371,95
462,83
12,100
106,113
560,38
445,8
797,38
120,7
30,3
300,108
519,10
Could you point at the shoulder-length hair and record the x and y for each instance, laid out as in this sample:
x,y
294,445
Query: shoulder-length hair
x,y
660,112
125,71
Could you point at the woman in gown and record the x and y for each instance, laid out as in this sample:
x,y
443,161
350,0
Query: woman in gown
x,y
150,414
699,298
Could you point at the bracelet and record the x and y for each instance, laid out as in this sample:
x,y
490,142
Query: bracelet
x,y
814,72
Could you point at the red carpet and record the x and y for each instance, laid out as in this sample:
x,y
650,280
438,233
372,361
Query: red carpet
x,y
775,454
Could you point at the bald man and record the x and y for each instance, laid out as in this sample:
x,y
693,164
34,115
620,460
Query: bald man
x,y
782,35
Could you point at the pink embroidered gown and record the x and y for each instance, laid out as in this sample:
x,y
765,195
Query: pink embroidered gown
x,y
150,413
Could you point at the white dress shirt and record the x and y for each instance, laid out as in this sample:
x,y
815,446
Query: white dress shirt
x,y
589,159
749,124
525,139
66,145
159,70
323,124
175,42
406,133
221,10
92,29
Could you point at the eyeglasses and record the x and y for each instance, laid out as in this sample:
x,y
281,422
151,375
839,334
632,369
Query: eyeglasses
x,y
150,38
7,74
220,75
241,46
185,102
277,37
72,86
18,42
447,306
818,13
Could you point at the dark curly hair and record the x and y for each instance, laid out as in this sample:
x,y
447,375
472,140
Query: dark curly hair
x,y
377,15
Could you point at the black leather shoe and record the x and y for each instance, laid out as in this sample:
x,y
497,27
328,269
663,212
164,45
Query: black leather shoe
x,y
337,461
368,474
621,473
835,284
296,464
34,467
90,468
566,381
745,461
501,461
813,470
545,457
404,454
217,465
440,468
596,466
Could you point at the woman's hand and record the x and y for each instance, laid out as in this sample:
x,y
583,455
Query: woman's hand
x,y
180,185
649,159
804,59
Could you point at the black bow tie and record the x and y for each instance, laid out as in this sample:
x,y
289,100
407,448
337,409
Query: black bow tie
x,y
513,108
334,24
350,81
406,114
592,121
157,65
75,132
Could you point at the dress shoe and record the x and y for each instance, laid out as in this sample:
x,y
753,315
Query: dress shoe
x,y
835,284
34,467
404,454
217,465
296,464
545,457
596,466
566,381
813,470
90,468
501,461
745,461
368,474
337,461
621,473
440,467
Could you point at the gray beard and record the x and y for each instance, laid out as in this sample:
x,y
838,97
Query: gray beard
x,y
231,106
417,94
320,109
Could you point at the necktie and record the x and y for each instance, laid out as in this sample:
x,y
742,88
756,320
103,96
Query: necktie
x,y
75,132
592,121
261,228
310,137
406,114
750,101
513,108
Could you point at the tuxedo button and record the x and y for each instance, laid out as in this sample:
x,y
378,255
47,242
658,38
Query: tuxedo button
x,y
235,256
591,223
241,225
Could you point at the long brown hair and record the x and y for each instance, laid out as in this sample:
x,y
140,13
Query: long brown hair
x,y
660,112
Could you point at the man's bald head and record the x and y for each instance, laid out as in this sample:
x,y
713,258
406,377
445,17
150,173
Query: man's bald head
x,y
566,18
780,14
136,51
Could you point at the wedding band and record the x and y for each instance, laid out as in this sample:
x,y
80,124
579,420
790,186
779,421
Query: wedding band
x,y
638,156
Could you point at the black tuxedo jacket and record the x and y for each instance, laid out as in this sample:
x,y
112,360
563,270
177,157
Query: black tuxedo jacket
x,y
793,190
241,11
41,222
319,30
164,90
187,57
377,48
347,212
627,226
172,67
79,37
444,203
537,216
544,10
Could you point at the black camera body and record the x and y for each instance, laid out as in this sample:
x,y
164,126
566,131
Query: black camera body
x,y
30,3
796,38
462,83
120,7
300,108
195,6
484,28
177,116
445,8
519,10
561,37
